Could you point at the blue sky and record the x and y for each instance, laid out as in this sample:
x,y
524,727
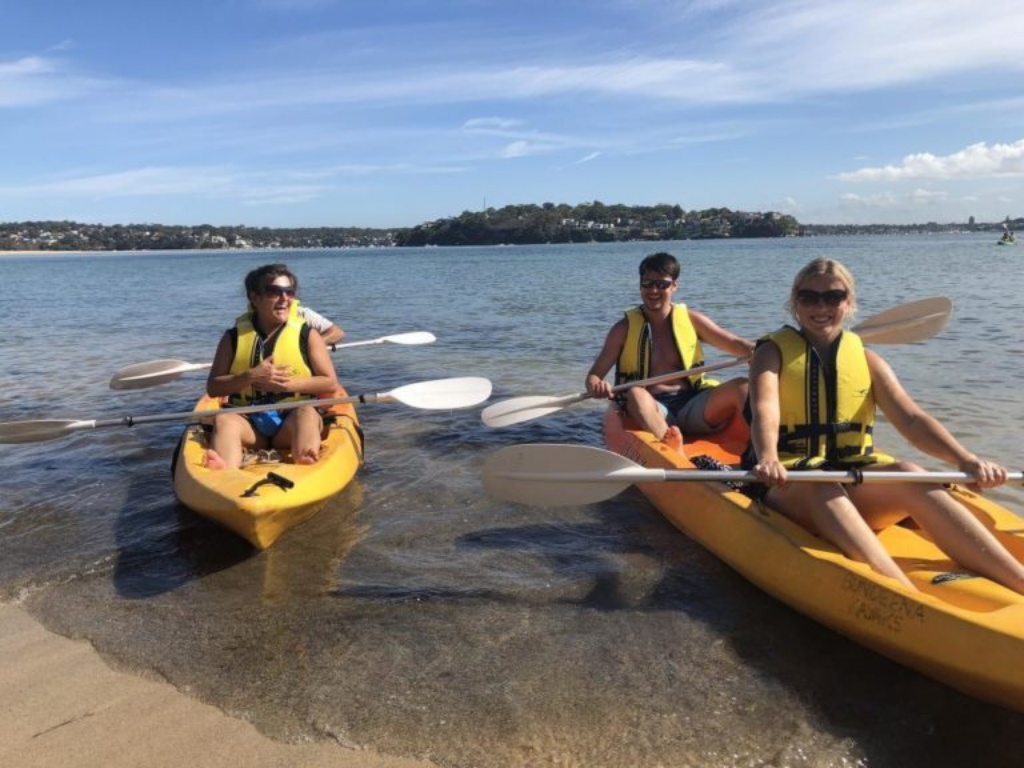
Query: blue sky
x,y
386,113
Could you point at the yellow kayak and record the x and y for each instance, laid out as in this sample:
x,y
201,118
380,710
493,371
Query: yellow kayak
x,y
961,629
266,497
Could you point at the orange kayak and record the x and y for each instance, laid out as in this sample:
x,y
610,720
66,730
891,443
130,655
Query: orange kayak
x,y
961,629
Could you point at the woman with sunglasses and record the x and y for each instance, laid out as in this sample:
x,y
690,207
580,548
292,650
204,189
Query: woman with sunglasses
x,y
829,426
270,355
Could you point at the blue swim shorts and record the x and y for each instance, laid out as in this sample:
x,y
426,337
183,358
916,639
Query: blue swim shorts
x,y
267,423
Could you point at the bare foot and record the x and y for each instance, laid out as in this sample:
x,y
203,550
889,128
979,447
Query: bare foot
x,y
212,460
306,457
673,438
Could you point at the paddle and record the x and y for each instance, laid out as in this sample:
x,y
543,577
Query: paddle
x,y
439,394
156,372
907,323
551,475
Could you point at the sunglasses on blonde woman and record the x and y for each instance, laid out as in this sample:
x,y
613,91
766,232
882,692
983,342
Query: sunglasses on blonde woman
x,y
809,298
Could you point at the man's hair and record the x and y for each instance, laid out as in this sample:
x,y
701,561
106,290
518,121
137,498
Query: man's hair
x,y
661,262
260,277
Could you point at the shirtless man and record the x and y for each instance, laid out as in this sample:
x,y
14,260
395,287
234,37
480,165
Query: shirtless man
x,y
660,337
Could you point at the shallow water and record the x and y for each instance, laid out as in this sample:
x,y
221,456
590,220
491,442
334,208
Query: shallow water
x,y
418,617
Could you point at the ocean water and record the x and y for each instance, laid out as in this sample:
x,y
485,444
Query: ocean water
x,y
414,615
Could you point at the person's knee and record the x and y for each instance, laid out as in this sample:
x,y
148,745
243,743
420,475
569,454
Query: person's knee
x,y
736,390
227,424
638,397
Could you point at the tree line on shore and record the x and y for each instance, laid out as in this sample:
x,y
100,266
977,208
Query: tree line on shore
x,y
510,225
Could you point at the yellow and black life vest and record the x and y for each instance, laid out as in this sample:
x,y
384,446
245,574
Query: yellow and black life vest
x,y
826,411
635,357
288,349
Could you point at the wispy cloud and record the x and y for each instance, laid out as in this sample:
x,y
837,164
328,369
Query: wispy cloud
x,y
213,182
35,80
491,124
767,53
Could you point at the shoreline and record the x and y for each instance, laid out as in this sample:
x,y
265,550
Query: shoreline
x,y
63,705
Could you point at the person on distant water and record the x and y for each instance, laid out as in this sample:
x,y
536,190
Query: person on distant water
x,y
270,355
829,424
659,337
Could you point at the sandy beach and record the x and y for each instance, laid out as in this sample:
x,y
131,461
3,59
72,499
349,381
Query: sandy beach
x,y
62,705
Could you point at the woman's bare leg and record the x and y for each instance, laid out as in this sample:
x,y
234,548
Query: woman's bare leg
x,y
951,526
827,510
301,430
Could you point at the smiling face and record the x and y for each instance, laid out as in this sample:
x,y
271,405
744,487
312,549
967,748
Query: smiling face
x,y
657,290
820,304
273,302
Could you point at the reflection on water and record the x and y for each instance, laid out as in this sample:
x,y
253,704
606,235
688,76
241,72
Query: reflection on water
x,y
413,614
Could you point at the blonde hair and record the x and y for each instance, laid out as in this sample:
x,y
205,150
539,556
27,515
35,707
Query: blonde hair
x,y
827,268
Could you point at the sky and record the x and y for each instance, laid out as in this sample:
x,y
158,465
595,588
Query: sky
x,y
391,113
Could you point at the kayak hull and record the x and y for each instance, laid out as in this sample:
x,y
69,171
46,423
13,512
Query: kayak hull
x,y
252,501
960,629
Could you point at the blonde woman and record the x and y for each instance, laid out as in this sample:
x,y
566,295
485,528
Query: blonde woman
x,y
829,426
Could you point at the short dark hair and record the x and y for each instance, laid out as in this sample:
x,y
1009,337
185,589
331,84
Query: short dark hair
x,y
260,277
661,262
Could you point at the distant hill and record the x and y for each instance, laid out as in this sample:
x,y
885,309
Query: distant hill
x,y
594,222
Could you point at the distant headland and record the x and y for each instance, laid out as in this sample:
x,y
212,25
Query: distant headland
x,y
511,225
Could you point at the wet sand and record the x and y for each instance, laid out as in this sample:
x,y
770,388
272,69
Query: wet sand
x,y
60,704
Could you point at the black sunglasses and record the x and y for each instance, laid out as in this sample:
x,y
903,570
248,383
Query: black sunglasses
x,y
278,290
833,298
662,285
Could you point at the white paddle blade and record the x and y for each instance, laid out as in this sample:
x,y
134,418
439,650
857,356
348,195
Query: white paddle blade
x,y
152,373
915,321
443,394
411,338
553,475
521,409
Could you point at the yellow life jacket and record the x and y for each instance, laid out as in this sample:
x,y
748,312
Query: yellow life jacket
x,y
826,412
287,350
635,357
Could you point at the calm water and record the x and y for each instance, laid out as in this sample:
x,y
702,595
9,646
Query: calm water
x,y
417,617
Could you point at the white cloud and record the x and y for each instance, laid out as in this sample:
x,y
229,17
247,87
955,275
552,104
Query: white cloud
x,y
974,162
588,158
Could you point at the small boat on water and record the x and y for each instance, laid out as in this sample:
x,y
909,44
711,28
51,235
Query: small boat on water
x,y
961,629
267,496
1007,240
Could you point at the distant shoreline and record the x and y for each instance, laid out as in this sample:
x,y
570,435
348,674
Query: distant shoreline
x,y
266,249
